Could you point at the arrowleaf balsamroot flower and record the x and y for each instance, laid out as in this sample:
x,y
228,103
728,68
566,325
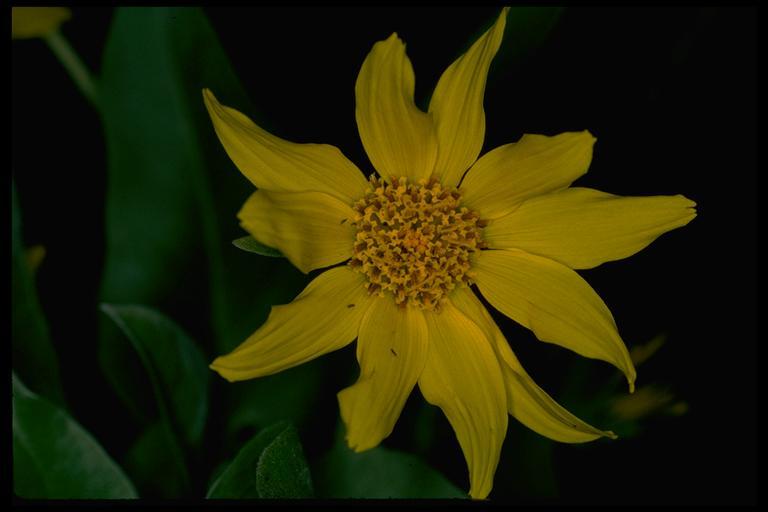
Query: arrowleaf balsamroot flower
x,y
405,249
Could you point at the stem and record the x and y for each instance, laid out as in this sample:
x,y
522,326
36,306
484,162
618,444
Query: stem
x,y
74,66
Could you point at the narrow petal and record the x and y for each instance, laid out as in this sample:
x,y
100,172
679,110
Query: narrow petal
x,y
391,349
457,105
554,302
526,401
532,166
311,229
398,137
463,378
582,227
323,318
276,164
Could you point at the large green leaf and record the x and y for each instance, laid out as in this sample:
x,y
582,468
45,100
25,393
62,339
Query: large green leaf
x,y
148,354
173,364
54,457
157,463
379,473
288,395
271,465
173,193
527,28
526,468
34,357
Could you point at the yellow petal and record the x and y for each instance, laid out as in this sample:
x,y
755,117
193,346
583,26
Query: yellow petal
x,y
457,105
276,164
554,302
583,228
311,229
323,318
526,401
532,166
398,137
28,22
463,378
391,349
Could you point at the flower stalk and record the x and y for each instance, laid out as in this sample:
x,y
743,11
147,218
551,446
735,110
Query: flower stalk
x,y
75,67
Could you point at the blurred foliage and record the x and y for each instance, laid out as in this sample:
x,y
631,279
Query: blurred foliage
x,y
527,28
173,193
172,365
34,358
34,256
54,457
378,473
162,377
609,406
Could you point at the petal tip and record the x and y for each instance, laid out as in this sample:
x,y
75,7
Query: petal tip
x,y
479,495
586,134
356,445
221,369
690,205
386,44
631,374
211,103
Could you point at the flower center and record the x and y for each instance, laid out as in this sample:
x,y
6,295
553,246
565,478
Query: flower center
x,y
414,240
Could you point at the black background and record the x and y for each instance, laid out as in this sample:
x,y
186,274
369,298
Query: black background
x,y
670,94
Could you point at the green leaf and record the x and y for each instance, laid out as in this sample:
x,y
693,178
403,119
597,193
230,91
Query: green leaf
x,y
248,243
526,466
271,465
173,193
34,357
527,28
173,364
156,463
379,473
54,457
288,395
149,348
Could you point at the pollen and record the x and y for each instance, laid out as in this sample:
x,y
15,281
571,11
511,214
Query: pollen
x,y
414,241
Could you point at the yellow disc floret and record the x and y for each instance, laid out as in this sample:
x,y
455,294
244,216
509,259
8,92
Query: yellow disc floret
x,y
414,240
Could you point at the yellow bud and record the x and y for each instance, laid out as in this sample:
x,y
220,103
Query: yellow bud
x,y
34,256
29,22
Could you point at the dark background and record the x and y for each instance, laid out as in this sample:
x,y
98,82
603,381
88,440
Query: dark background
x,y
670,94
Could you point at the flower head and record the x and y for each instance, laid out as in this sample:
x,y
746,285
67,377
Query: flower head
x,y
410,244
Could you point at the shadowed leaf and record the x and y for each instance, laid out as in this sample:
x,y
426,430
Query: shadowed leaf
x,y
271,465
54,457
34,357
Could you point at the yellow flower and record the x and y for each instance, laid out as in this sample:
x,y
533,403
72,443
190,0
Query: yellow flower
x,y
29,22
418,237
